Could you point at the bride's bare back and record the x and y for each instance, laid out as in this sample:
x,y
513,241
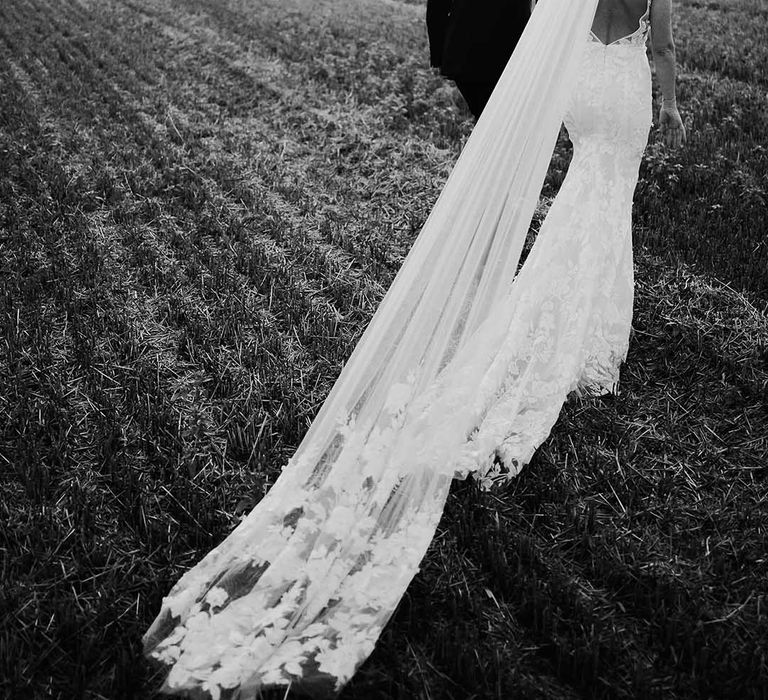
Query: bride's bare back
x,y
615,19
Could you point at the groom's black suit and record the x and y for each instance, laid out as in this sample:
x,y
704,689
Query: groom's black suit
x,y
472,40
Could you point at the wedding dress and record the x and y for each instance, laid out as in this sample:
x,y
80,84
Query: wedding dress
x,y
463,370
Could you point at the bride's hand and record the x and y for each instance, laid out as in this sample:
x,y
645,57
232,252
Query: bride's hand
x,y
671,126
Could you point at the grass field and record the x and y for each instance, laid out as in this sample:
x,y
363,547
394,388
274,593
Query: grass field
x,y
201,204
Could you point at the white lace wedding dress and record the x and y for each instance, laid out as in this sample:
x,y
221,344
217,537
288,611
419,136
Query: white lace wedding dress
x,y
575,291
299,592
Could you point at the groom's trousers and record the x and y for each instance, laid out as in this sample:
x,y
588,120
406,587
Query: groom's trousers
x,y
475,94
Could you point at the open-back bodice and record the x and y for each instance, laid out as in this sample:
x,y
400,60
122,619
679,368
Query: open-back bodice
x,y
638,37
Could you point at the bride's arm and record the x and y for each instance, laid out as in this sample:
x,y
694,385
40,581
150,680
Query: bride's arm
x,y
663,45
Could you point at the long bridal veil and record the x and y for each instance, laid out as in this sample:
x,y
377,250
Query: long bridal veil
x,y
299,592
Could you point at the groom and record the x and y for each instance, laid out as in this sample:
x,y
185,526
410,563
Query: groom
x,y
472,40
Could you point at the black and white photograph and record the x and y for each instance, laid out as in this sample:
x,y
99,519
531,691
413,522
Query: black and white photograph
x,y
384,349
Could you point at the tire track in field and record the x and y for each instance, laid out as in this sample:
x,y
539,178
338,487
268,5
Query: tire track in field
x,y
285,264
344,293
306,247
127,334
67,524
347,296
304,116
138,326
156,129
282,391
106,250
153,130
101,507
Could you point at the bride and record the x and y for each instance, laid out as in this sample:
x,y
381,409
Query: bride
x,y
462,370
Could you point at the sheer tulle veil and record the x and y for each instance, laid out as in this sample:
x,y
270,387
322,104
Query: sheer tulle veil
x,y
299,592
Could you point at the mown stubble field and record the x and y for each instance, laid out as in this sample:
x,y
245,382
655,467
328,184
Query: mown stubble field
x,y
202,202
